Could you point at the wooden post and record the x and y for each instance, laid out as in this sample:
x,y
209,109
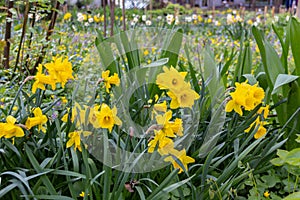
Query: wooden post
x,y
265,13
7,37
273,11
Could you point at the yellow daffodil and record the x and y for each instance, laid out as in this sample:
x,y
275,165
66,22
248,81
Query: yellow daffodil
x,y
42,79
234,105
93,116
82,194
75,139
184,98
60,70
245,96
265,110
176,126
67,16
182,157
38,119
146,52
78,115
9,129
110,80
108,117
266,194
163,120
171,79
160,140
161,107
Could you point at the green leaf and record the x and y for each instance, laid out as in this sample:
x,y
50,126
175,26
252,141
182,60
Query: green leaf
x,y
251,79
271,61
293,196
295,46
171,188
293,157
282,153
173,45
283,79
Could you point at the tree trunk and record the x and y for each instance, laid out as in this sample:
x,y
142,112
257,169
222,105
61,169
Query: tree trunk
x,y
123,15
10,5
104,14
23,35
49,33
112,17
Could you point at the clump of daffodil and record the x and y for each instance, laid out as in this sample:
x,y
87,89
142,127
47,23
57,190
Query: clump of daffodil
x,y
110,80
75,139
163,140
181,93
245,96
59,70
38,120
99,116
9,129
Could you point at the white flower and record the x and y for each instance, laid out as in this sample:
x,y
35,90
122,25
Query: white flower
x,y
176,20
148,23
91,20
195,17
234,12
210,16
238,18
144,18
159,18
170,17
188,19
255,24
230,19
276,18
80,17
258,20
86,24
287,18
135,20
74,28
217,23
132,23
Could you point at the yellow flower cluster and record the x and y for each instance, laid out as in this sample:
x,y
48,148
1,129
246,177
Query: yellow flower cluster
x,y
182,96
98,116
58,71
246,96
180,91
9,129
67,16
165,145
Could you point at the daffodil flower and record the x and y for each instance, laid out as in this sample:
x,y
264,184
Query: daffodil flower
x,y
9,129
38,119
